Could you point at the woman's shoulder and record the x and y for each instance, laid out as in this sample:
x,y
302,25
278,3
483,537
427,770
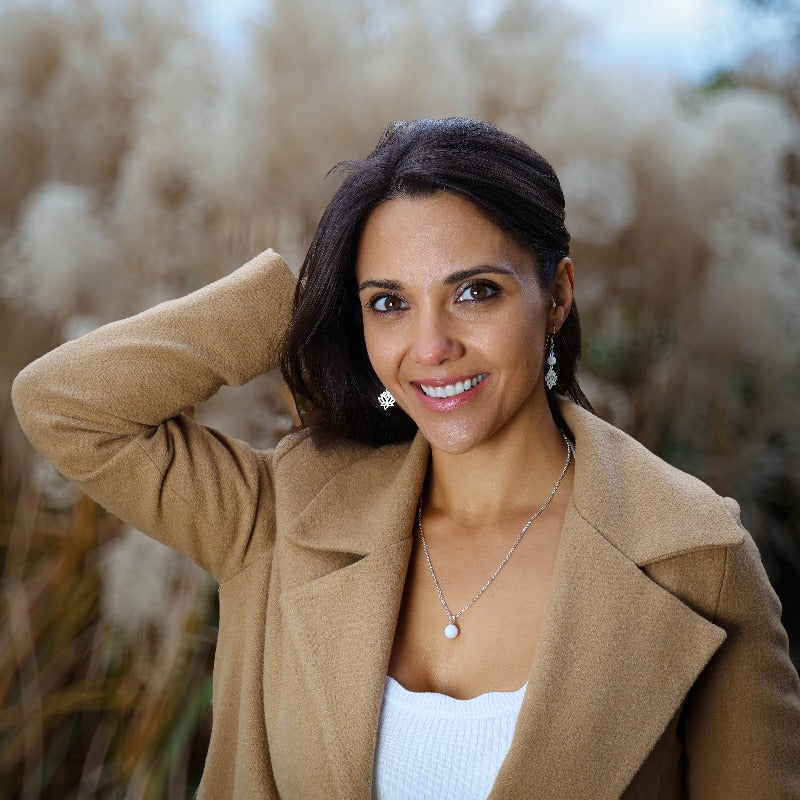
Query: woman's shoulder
x,y
677,529
298,448
647,508
304,469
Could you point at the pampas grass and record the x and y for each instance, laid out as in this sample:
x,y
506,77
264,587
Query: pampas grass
x,y
139,161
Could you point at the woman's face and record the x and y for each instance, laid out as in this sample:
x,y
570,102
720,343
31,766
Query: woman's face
x,y
454,320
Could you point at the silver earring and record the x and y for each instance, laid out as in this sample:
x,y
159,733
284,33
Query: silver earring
x,y
386,399
551,377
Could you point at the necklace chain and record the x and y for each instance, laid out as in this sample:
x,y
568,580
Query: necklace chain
x,y
452,630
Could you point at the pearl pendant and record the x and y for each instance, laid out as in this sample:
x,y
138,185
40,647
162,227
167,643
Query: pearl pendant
x,y
451,631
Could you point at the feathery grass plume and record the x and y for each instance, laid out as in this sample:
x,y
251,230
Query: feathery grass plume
x,y
602,197
60,251
138,577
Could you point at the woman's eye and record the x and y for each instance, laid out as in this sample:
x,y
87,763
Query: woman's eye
x,y
387,303
477,292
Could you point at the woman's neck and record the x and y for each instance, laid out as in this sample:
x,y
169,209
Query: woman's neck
x,y
501,477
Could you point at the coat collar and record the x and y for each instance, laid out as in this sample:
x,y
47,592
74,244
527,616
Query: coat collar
x,y
605,681
647,509
620,488
368,503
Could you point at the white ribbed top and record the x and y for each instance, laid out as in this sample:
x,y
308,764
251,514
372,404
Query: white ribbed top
x,y
434,747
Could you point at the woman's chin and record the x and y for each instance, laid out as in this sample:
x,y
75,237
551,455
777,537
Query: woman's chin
x,y
454,439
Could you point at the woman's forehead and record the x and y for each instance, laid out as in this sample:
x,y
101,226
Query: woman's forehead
x,y
435,234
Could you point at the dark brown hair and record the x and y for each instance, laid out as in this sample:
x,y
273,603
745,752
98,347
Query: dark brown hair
x,y
325,359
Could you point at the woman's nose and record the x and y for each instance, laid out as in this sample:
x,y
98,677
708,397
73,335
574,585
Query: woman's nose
x,y
435,341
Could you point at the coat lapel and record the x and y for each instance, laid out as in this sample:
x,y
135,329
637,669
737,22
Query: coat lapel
x,y
342,623
617,653
616,657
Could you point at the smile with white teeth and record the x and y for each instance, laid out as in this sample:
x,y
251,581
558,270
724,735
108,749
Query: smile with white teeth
x,y
452,389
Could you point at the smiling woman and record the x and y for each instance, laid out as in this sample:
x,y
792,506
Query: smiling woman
x,y
456,581
504,186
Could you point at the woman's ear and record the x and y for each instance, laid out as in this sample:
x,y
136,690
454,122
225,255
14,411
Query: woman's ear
x,y
561,292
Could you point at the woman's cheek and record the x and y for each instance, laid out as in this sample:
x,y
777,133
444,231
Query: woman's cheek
x,y
376,351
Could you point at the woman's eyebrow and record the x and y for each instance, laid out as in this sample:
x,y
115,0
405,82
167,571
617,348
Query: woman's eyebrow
x,y
463,274
395,286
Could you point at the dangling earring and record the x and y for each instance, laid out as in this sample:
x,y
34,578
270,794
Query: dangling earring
x,y
551,377
386,399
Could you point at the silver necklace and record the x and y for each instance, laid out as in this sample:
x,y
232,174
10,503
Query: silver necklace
x,y
451,630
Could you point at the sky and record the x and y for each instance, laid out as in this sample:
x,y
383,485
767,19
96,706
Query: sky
x,y
684,39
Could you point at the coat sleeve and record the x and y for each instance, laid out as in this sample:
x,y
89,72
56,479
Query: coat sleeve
x,y
742,719
106,410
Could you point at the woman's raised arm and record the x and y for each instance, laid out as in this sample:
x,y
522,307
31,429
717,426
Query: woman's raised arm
x,y
106,410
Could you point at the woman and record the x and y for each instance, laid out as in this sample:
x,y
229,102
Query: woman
x,y
457,581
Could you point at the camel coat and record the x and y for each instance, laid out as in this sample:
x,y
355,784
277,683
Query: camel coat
x,y
662,670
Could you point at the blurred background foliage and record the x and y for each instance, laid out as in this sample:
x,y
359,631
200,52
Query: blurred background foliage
x,y
140,160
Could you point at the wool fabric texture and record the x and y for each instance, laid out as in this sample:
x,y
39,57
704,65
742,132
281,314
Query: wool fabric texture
x,y
662,669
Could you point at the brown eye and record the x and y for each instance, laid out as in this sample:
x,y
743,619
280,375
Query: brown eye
x,y
387,303
476,292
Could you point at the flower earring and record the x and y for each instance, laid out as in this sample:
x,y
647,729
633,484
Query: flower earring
x,y
386,399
